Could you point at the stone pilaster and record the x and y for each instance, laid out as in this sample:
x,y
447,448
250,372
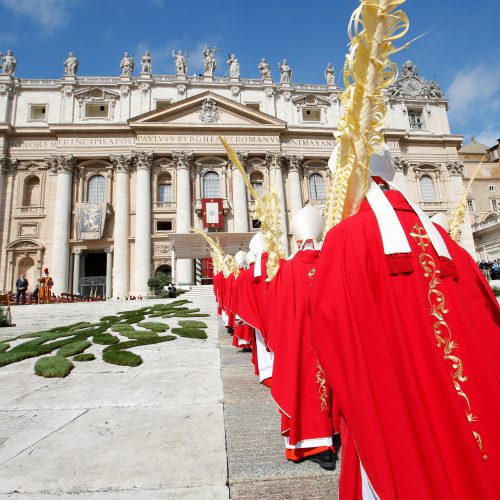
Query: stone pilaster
x,y
62,166
276,163
400,178
240,206
121,277
183,161
7,169
295,184
109,272
77,253
143,162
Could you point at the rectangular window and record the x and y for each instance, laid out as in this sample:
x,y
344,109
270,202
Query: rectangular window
x,y
162,104
165,193
164,225
470,205
255,224
253,105
492,188
311,115
38,112
494,205
486,172
94,110
416,120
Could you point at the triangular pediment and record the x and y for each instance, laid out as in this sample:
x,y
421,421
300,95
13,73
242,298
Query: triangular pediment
x,y
207,109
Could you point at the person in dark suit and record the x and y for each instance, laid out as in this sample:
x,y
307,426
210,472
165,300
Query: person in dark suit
x,y
21,287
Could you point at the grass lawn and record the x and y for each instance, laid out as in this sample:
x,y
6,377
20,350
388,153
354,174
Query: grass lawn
x,y
72,340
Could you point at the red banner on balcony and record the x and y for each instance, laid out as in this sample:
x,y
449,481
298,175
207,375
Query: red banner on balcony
x,y
213,213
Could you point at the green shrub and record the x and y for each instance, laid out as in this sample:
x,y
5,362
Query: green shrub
x,y
137,343
192,333
496,291
74,348
4,346
105,339
192,324
53,366
87,356
122,327
110,319
179,302
134,318
139,334
122,358
3,317
154,326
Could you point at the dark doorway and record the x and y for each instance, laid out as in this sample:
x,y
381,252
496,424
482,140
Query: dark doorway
x,y
93,277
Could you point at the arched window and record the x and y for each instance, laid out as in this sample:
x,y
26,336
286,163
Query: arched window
x,y
211,185
427,188
31,191
96,189
316,187
165,188
257,181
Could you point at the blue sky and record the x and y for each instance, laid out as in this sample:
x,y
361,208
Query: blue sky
x,y
461,51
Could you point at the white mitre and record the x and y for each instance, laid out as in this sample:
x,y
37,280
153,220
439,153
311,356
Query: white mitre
x,y
442,220
257,247
239,257
393,236
307,224
250,258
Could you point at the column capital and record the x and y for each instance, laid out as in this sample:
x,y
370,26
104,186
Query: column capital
x,y
109,250
7,165
78,251
275,160
295,162
182,159
144,160
401,164
61,164
122,161
455,168
242,156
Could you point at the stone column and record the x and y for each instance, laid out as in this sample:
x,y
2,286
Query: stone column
x,y
63,167
456,173
295,185
3,168
144,162
121,281
276,162
76,270
109,272
7,175
183,161
240,206
400,178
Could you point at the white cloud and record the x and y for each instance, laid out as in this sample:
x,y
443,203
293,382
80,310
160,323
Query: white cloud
x,y
163,62
489,136
49,14
473,91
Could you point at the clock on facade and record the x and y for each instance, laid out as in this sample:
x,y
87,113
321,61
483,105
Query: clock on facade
x,y
412,86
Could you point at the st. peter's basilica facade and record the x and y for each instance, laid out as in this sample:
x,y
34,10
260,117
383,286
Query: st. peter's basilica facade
x,y
102,178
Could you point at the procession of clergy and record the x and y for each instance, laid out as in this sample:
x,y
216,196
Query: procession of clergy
x,y
386,333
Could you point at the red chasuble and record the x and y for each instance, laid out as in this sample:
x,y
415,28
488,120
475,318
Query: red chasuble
x,y
413,360
229,285
299,387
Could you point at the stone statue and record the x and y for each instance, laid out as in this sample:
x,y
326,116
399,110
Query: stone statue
x,y
146,65
330,75
410,69
71,65
9,64
234,66
210,64
286,72
180,62
434,90
265,69
127,65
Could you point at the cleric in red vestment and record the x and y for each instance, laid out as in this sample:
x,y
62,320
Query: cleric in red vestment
x,y
408,333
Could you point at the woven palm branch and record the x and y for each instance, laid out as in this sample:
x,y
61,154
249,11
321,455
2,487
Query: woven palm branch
x,y
457,216
268,211
374,26
215,249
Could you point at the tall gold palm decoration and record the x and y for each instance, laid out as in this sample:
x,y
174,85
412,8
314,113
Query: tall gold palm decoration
x,y
268,211
217,253
374,27
458,215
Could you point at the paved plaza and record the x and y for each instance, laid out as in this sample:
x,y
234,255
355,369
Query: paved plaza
x,y
190,422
